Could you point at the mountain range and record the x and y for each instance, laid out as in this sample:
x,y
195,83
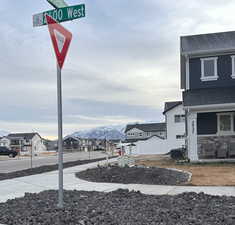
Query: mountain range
x,y
105,132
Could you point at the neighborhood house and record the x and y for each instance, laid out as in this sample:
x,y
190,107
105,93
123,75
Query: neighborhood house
x,y
158,138
208,83
72,143
175,125
26,143
143,131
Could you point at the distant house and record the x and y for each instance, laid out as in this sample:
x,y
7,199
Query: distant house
x,y
26,143
159,138
175,124
72,143
143,131
51,145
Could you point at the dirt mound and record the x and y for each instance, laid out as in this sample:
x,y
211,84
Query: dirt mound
x,y
134,175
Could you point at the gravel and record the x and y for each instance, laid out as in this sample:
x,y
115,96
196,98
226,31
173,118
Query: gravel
x,y
120,207
43,169
134,175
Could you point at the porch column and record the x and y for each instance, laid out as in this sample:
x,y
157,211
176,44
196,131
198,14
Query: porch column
x,y
192,136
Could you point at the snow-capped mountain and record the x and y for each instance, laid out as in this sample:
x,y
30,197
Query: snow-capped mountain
x,y
107,132
3,133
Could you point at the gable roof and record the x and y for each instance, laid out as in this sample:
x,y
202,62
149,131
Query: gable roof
x,y
204,45
23,135
171,105
147,127
71,137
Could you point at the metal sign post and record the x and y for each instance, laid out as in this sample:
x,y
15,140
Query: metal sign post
x,y
57,3
60,137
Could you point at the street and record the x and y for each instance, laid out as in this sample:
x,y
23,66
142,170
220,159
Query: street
x,y
10,165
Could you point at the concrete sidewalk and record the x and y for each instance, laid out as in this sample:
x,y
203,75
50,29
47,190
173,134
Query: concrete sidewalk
x,y
17,187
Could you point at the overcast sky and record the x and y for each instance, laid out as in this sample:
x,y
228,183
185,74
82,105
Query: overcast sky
x,y
123,62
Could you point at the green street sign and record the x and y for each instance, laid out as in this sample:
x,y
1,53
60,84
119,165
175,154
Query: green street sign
x,y
57,3
60,15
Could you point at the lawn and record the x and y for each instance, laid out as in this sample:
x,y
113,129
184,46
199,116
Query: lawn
x,y
207,174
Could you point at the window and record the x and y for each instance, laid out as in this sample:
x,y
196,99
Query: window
x,y
209,69
179,118
179,136
233,66
225,123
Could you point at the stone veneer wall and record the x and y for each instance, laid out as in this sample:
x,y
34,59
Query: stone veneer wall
x,y
212,147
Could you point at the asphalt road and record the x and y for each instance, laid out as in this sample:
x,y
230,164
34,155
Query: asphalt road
x,y
9,165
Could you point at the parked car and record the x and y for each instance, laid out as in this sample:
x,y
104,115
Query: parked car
x,y
6,151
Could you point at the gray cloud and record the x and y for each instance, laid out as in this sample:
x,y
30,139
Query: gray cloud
x,y
122,65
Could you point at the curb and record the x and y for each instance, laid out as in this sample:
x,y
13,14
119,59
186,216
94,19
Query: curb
x,y
182,171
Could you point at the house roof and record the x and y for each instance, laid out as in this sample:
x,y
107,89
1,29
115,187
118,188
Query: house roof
x,y
23,135
147,127
71,137
204,45
209,96
171,105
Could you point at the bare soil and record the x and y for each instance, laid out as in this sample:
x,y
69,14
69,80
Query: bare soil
x,y
207,174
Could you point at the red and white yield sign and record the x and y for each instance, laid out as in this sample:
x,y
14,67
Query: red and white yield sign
x,y
61,39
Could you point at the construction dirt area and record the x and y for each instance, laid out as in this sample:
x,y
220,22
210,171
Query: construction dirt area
x,y
203,174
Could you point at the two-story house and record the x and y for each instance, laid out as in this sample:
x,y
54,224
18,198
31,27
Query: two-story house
x,y
26,143
208,83
143,131
175,124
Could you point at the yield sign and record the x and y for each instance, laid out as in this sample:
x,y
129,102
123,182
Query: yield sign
x,y
61,39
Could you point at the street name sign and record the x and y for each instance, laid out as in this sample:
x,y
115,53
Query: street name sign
x,y
61,39
57,3
60,15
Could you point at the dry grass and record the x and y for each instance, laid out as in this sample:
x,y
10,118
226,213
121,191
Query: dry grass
x,y
213,174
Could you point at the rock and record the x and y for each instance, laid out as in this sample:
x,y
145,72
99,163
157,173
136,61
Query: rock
x,y
121,207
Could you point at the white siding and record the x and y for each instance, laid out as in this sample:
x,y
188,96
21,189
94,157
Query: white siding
x,y
37,144
5,142
153,145
174,129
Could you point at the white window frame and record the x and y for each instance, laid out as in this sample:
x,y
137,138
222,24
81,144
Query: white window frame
x,y
209,78
233,66
221,132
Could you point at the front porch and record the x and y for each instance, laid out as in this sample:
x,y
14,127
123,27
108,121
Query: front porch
x,y
211,134
216,147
